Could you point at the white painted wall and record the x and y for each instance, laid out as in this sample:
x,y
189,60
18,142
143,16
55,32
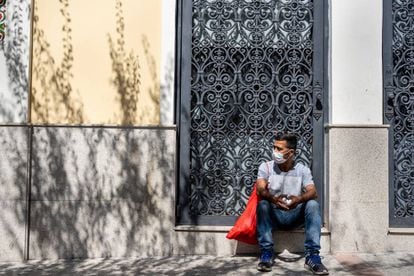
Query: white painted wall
x,y
14,63
167,62
356,61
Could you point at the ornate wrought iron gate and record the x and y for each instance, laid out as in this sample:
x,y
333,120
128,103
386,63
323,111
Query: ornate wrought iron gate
x,y
247,68
398,58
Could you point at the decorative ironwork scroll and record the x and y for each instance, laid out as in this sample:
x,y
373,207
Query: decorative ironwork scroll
x,y
2,19
251,76
399,95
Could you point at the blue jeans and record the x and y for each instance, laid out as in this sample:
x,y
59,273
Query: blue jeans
x,y
271,218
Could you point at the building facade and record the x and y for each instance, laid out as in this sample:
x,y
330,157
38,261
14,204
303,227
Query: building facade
x,y
135,128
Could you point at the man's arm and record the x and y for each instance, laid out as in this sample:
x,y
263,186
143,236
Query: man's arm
x,y
263,192
310,193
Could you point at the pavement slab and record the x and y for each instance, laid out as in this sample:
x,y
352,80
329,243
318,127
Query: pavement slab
x,y
340,264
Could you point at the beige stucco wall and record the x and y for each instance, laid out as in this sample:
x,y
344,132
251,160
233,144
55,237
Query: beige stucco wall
x,y
79,78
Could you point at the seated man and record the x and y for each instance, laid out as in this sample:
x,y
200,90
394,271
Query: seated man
x,y
287,201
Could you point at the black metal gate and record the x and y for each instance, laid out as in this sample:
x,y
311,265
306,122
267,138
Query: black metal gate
x,y
247,69
398,40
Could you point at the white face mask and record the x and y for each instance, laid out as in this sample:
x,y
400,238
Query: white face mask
x,y
278,157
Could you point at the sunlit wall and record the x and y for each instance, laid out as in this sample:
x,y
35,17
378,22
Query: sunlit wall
x,y
96,62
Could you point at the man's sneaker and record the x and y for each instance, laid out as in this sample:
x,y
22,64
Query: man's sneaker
x,y
266,261
314,264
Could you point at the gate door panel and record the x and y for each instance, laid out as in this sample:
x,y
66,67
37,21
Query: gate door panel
x,y
398,47
248,69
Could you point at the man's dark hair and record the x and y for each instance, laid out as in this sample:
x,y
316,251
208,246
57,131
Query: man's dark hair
x,y
290,138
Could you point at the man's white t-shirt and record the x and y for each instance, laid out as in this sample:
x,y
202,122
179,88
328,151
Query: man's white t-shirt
x,y
292,182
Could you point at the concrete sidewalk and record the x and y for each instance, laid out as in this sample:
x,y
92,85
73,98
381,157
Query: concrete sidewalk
x,y
343,264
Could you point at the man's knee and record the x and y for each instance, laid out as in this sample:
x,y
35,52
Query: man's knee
x,y
263,206
312,206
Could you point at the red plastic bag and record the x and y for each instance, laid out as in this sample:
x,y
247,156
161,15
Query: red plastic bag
x,y
244,229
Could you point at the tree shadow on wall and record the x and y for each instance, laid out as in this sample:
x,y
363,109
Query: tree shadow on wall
x,y
15,47
13,191
100,192
95,191
54,99
53,96
92,186
154,89
127,77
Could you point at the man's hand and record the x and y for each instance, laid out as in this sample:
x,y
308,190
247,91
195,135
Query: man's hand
x,y
310,193
280,203
294,201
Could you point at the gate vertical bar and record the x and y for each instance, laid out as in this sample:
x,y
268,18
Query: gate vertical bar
x,y
388,110
184,108
318,99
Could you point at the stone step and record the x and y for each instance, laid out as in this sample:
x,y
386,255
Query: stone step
x,y
211,240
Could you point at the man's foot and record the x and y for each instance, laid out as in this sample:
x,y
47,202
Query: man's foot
x,y
314,264
266,261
